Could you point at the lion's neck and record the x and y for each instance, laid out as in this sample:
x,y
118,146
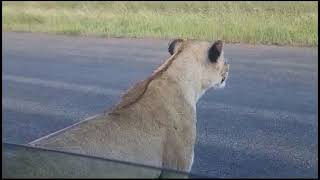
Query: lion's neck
x,y
183,78
177,82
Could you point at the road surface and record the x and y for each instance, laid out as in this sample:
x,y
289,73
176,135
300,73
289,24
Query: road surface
x,y
263,124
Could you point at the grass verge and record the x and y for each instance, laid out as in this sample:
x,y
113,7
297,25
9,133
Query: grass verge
x,y
281,23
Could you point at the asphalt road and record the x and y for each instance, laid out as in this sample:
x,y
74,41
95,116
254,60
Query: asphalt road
x,y
263,124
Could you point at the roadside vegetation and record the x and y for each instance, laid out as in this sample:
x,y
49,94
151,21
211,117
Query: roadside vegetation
x,y
281,23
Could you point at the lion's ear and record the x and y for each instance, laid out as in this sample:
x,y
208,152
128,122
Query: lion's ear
x,y
174,45
215,51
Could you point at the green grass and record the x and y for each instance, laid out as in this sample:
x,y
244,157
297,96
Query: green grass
x,y
282,23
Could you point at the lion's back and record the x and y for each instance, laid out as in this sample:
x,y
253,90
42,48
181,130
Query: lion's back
x,y
110,137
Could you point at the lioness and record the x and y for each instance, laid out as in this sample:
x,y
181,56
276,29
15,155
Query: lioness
x,y
155,121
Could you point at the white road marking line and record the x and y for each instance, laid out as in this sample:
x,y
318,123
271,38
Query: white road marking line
x,y
62,85
42,109
304,118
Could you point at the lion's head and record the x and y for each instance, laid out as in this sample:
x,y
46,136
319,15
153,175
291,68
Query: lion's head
x,y
206,65
213,68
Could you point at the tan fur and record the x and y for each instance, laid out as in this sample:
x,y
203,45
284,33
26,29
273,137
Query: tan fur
x,y
137,91
155,121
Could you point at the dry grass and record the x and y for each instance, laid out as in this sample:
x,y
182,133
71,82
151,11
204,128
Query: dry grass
x,y
283,23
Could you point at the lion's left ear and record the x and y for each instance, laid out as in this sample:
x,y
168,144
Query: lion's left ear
x,y
215,51
174,45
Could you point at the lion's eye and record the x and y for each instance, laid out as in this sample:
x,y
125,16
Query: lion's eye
x,y
223,79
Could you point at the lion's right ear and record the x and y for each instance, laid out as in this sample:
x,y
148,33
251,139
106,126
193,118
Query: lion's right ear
x,y
174,45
